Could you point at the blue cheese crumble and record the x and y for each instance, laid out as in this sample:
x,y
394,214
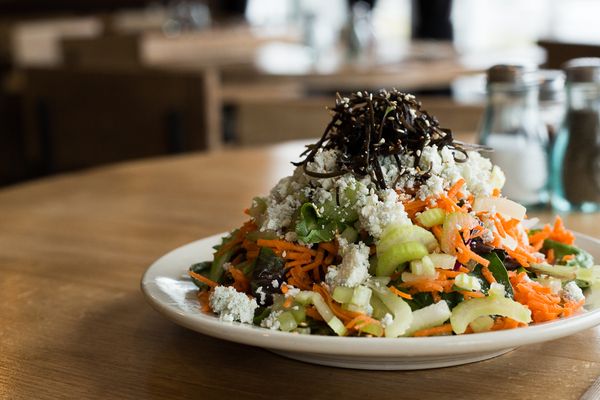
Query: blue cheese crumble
x,y
232,305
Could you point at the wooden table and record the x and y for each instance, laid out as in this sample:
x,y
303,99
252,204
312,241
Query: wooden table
x,y
73,323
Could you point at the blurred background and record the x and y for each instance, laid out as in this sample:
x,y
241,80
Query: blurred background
x,y
86,83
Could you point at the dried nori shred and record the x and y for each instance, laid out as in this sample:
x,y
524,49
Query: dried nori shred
x,y
366,126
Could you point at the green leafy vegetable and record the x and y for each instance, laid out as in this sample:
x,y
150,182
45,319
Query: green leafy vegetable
x,y
500,273
582,258
312,228
201,268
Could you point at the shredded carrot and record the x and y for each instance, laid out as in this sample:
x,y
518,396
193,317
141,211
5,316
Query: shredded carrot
x,y
284,288
400,293
453,191
361,321
496,192
550,256
345,315
438,330
203,298
282,245
568,257
203,279
288,302
487,274
313,313
241,282
502,323
468,294
470,254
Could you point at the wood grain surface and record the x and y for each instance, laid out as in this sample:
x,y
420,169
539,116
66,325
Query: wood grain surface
x,y
74,324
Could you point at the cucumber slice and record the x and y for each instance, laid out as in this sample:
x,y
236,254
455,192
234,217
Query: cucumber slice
x,y
432,217
468,311
428,317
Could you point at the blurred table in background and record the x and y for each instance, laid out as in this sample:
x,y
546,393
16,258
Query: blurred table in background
x,y
73,249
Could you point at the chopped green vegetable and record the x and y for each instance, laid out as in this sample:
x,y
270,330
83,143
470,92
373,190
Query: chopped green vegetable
x,y
432,217
582,258
430,316
392,258
468,311
499,272
202,268
311,228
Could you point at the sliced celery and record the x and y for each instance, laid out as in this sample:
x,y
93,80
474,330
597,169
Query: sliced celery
x,y
400,253
342,294
398,308
482,324
379,309
468,311
350,234
325,312
428,317
400,233
432,217
452,224
287,322
361,296
299,313
423,267
467,282
444,261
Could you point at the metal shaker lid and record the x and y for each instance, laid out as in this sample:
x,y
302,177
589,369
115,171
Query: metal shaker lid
x,y
552,83
583,70
504,73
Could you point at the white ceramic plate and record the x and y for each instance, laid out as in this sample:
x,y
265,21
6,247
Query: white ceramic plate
x,y
171,292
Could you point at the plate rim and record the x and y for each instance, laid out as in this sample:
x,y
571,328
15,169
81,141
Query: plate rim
x,y
352,346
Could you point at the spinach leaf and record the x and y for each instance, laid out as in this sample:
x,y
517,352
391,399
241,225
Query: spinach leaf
x,y
420,300
582,258
312,228
267,268
201,268
500,273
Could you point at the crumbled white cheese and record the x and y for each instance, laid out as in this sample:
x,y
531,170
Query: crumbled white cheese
x,y
262,296
232,305
380,211
573,292
354,268
272,321
387,320
275,283
291,291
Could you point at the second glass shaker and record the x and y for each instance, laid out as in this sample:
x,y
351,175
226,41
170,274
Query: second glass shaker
x,y
514,130
576,155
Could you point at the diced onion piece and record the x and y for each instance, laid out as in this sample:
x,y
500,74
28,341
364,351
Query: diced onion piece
x,y
504,206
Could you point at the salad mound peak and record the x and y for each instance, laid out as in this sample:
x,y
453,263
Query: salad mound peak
x,y
389,227
366,126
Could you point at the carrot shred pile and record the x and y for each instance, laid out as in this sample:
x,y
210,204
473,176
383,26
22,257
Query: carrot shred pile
x,y
544,305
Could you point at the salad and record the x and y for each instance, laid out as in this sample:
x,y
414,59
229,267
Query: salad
x,y
389,227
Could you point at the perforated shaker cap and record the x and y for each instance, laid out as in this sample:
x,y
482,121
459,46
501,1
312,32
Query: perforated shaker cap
x,y
582,70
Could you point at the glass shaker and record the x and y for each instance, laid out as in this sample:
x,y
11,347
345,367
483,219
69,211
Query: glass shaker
x,y
576,155
552,101
514,130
